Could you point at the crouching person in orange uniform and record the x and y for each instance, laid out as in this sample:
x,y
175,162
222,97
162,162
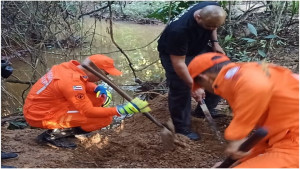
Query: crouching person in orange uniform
x,y
67,102
260,95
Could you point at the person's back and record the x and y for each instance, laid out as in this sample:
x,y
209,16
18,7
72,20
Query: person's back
x,y
47,96
284,103
66,101
185,25
262,95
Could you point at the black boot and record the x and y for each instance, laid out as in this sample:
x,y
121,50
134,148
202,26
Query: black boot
x,y
188,133
57,137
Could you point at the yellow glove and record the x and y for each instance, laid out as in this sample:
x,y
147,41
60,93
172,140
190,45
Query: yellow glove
x,y
135,106
107,99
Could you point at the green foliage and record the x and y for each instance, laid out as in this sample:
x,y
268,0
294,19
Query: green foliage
x,y
177,7
295,7
270,36
260,42
249,40
224,4
138,9
262,53
241,51
252,29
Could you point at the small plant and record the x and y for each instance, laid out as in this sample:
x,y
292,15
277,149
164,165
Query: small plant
x,y
261,42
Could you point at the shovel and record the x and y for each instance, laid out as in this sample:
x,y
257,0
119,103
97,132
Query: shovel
x,y
211,121
166,134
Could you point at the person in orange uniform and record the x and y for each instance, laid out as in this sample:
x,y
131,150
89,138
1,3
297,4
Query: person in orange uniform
x,y
260,95
65,101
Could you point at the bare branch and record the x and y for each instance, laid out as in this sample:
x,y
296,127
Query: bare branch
x,y
113,40
94,11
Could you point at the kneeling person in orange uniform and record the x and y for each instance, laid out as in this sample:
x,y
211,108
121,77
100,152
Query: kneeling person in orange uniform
x,y
260,95
67,102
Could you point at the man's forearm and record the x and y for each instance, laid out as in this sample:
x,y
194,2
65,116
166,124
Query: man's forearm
x,y
214,35
181,69
183,73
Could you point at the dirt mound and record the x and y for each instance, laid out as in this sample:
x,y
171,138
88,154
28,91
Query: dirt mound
x,y
134,143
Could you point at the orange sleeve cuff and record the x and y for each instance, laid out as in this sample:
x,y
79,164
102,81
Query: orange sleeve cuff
x,y
98,112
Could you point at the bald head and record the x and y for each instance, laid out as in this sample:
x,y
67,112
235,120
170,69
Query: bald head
x,y
211,16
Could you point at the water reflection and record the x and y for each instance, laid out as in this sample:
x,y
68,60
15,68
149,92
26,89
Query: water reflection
x,y
127,35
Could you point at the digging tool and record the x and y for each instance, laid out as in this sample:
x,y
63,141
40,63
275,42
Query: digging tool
x,y
166,133
211,121
258,135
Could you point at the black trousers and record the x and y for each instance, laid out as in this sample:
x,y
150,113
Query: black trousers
x,y
179,98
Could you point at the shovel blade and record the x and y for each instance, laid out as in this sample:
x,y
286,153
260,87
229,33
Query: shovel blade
x,y
167,138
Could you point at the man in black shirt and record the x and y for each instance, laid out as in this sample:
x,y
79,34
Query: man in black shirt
x,y
184,38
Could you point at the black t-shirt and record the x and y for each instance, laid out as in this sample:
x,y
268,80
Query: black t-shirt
x,y
183,36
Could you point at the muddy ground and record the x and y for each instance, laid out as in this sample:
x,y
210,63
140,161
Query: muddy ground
x,y
135,143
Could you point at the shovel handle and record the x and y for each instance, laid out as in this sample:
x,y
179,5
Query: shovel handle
x,y
258,135
90,66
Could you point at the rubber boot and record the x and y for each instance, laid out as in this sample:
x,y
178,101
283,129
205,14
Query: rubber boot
x,y
56,138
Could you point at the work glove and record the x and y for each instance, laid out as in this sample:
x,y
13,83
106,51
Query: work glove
x,y
107,99
100,90
135,106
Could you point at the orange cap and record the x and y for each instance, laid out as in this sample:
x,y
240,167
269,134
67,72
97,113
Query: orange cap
x,y
105,63
203,62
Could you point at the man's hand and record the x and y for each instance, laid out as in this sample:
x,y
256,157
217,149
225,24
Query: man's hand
x,y
217,48
100,90
135,106
232,149
198,94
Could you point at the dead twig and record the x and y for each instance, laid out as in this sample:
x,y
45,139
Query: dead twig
x,y
114,42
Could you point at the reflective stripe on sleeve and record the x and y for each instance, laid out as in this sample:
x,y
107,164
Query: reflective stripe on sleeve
x,y
73,111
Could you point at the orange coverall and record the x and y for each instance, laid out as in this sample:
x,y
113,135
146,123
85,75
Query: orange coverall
x,y
63,98
265,96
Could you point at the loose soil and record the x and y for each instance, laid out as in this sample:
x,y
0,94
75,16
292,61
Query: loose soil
x,y
136,142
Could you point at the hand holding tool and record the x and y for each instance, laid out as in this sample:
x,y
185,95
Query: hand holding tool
x,y
135,106
100,90
258,135
166,134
